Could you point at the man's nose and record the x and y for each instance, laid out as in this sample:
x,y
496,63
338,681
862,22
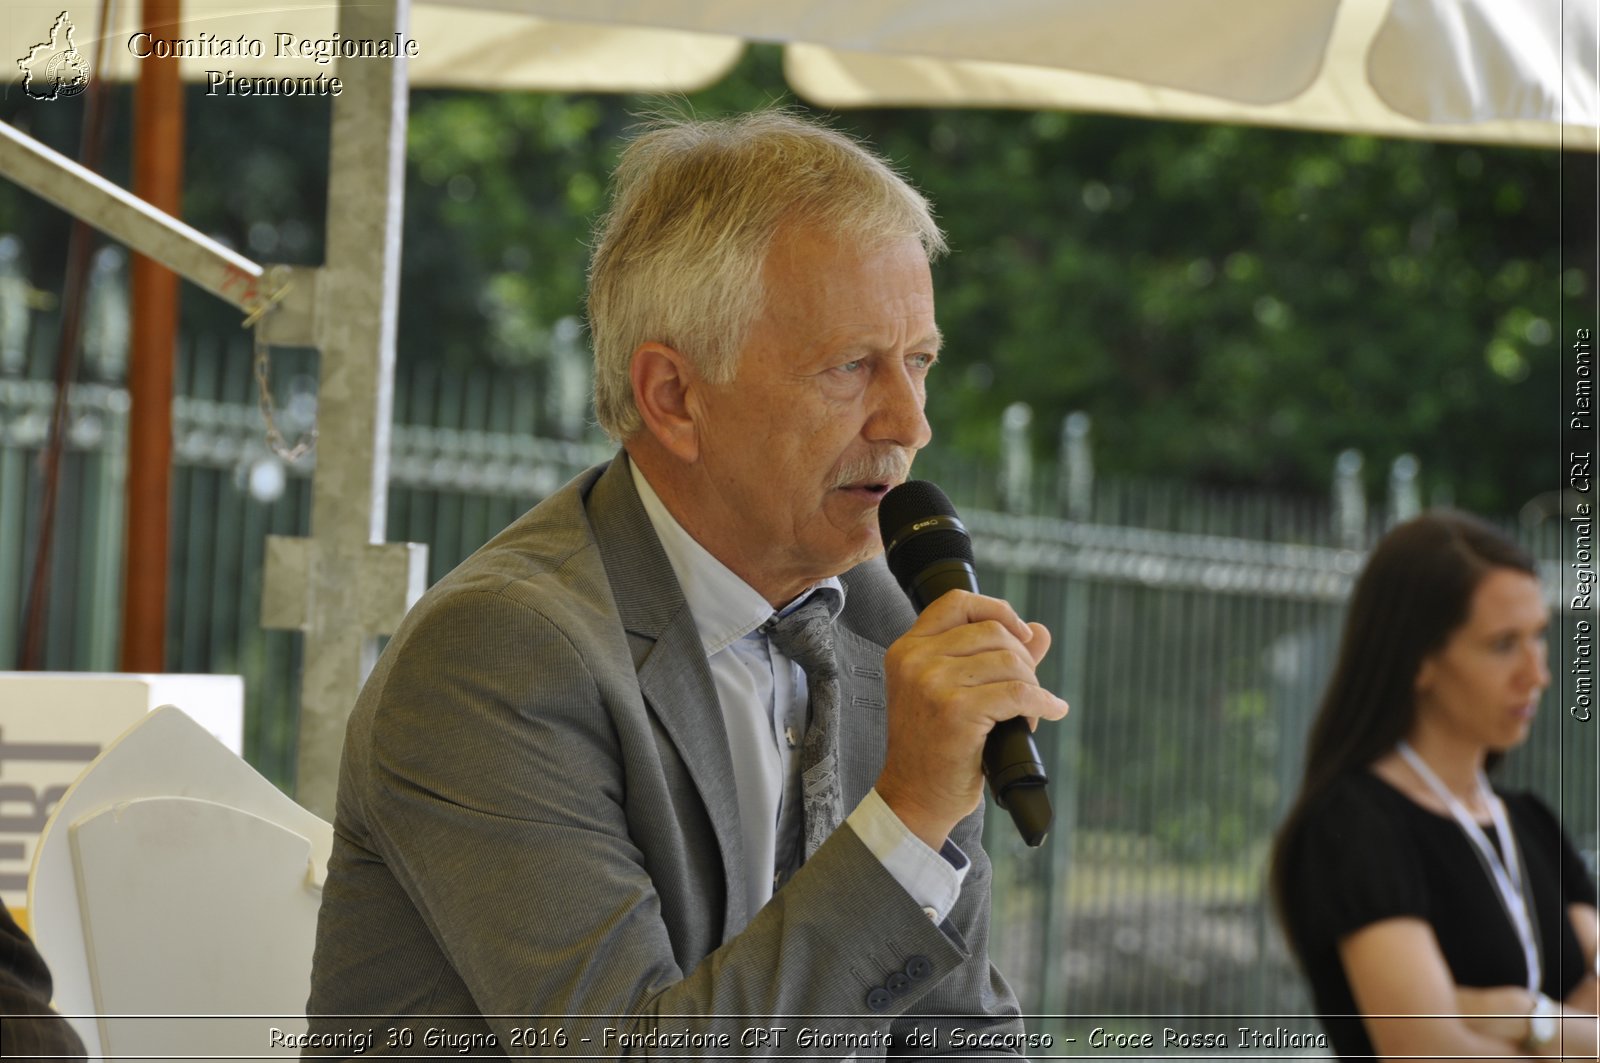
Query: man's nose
x,y
897,415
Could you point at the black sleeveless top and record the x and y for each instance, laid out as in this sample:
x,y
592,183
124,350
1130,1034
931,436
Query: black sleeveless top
x,y
1366,852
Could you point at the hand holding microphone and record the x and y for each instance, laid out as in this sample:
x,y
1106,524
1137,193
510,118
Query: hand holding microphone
x,y
961,680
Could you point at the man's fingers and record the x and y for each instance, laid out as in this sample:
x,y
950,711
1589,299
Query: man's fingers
x,y
1039,645
990,666
1005,689
1026,699
955,609
985,636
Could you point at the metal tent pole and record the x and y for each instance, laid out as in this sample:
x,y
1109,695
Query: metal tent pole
x,y
343,586
129,220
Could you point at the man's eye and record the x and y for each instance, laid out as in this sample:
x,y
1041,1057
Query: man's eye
x,y
922,361
852,366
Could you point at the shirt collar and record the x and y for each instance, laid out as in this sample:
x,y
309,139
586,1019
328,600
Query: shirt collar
x,y
725,608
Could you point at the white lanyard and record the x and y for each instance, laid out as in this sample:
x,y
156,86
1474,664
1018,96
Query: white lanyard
x,y
1507,874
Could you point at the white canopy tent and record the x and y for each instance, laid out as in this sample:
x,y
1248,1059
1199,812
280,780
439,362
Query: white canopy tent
x,y
1490,71
1493,71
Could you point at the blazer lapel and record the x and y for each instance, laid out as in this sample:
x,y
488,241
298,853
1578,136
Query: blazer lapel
x,y
674,676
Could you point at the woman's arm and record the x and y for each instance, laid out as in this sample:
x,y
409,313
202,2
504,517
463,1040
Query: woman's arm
x,y
1411,1006
1503,1012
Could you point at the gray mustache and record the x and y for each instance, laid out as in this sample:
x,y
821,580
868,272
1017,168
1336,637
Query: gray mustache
x,y
891,467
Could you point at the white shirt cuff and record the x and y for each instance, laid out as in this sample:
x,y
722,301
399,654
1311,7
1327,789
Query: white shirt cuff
x,y
933,879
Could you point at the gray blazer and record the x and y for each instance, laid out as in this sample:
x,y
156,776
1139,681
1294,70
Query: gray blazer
x,y
537,830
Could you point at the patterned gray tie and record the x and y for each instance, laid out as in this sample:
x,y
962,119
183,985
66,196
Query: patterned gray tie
x,y
805,636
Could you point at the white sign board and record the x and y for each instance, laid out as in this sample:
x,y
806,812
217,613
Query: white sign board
x,y
52,724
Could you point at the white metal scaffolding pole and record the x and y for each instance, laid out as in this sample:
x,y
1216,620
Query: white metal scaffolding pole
x,y
128,219
343,587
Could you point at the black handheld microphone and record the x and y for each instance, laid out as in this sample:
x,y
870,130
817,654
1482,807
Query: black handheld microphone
x,y
929,551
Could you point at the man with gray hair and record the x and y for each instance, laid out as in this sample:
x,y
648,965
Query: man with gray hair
x,y
670,766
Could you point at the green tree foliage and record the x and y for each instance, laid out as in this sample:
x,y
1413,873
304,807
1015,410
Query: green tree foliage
x,y
1232,305
1237,305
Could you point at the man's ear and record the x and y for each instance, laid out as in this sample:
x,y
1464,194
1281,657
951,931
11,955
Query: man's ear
x,y
663,382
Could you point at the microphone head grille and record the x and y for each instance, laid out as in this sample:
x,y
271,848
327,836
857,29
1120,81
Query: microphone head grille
x,y
912,501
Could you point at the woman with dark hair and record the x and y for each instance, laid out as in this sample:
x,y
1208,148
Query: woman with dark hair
x,y
1407,886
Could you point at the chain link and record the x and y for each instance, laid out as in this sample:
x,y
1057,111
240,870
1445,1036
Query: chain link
x,y
263,371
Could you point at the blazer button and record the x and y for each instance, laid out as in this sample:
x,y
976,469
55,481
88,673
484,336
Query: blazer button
x,y
918,967
878,999
897,983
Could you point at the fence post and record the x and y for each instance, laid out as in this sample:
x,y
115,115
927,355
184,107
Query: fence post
x,y
15,331
1405,500
14,317
1075,468
106,329
1074,493
1349,501
105,463
1016,459
569,374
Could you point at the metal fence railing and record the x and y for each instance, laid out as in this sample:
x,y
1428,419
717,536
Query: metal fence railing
x,y
1194,632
